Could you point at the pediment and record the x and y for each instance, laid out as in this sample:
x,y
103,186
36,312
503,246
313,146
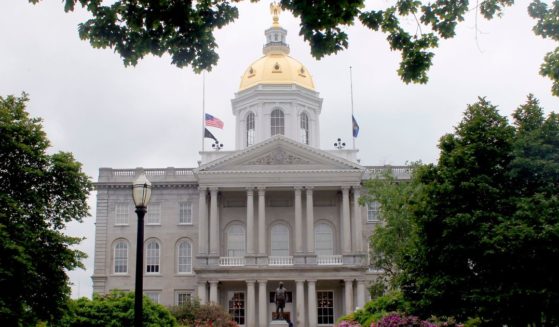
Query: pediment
x,y
279,153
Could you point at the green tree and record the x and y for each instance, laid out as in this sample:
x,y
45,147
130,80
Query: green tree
x,y
184,29
39,194
396,233
489,221
115,309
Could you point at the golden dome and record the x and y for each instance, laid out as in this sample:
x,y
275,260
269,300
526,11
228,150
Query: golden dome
x,y
276,68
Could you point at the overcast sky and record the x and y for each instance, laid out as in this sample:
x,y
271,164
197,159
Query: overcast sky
x,y
109,115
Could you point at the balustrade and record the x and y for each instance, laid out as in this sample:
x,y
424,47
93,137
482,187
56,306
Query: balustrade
x,y
323,260
232,261
280,261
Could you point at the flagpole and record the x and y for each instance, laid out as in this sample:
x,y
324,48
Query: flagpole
x,y
351,90
203,108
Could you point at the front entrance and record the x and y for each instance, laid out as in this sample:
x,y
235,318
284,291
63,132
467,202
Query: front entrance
x,y
237,306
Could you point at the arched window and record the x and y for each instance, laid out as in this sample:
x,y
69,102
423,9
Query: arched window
x,y
236,241
121,257
184,257
250,129
323,239
152,257
279,241
304,125
277,122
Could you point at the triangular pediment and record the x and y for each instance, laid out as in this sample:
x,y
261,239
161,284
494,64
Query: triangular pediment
x,y
279,153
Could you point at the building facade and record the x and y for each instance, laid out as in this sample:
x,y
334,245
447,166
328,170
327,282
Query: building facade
x,y
277,208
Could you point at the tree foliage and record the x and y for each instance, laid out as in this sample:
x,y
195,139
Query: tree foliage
x,y
39,194
396,233
488,228
185,29
115,309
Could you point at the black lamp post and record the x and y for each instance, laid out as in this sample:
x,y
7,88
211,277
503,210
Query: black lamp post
x,y
141,192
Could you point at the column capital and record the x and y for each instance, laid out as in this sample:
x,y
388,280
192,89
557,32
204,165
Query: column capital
x,y
311,280
297,188
202,189
309,188
356,188
262,281
213,282
213,189
345,188
250,190
251,281
299,280
348,280
261,189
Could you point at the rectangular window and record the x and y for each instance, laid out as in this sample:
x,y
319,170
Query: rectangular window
x,y
153,295
154,214
121,214
183,297
185,213
325,307
373,212
237,307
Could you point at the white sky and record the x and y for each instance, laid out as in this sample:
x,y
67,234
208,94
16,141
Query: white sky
x,y
150,115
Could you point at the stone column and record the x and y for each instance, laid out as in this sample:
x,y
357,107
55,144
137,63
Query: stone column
x,y
251,304
202,222
360,293
348,296
300,306
202,293
261,221
310,221
263,318
298,222
357,223
346,227
214,223
213,291
250,221
312,302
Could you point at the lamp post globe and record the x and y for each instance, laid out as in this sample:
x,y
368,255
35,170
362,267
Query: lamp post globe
x,y
141,194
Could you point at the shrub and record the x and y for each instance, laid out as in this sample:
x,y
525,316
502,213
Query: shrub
x,y
113,310
194,314
374,310
398,320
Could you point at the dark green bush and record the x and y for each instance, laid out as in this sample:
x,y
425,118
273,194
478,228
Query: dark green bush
x,y
113,310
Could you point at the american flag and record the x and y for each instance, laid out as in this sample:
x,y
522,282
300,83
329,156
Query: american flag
x,y
213,121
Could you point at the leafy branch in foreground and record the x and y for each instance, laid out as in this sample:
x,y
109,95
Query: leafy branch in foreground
x,y
185,29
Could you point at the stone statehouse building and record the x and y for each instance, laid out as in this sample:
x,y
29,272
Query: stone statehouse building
x,y
278,208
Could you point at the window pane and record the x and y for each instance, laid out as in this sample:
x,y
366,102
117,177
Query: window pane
x,y
324,240
185,257
183,297
250,129
325,307
237,307
152,257
121,258
280,240
277,122
185,213
153,295
373,212
236,241
121,214
304,128
154,214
